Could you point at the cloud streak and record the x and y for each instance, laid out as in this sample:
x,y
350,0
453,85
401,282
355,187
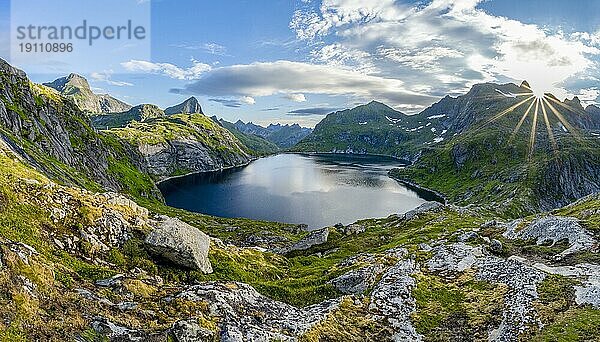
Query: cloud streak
x,y
313,111
285,77
106,77
167,69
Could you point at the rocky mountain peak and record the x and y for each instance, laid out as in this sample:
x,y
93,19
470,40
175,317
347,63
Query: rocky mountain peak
x,y
148,111
10,70
525,84
574,103
189,106
377,104
70,84
77,79
78,89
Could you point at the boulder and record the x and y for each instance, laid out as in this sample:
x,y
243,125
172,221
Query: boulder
x,y
190,331
116,332
353,229
180,243
496,246
315,238
467,236
114,281
359,280
552,229
423,208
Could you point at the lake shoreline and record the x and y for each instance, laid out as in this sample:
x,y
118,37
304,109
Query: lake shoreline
x,y
157,183
416,187
318,189
404,161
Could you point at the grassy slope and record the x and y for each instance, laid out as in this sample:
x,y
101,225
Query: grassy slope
x,y
164,130
300,278
373,128
499,173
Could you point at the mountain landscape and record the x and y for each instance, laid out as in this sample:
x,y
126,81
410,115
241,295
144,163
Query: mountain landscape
x,y
469,148
255,142
284,136
139,113
89,251
77,87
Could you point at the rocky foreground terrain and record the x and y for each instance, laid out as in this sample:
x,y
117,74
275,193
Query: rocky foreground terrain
x,y
88,252
78,265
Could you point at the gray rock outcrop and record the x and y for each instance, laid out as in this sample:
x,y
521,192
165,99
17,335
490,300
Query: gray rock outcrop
x,y
588,292
190,331
241,305
314,238
392,300
188,154
553,229
358,281
521,280
422,209
180,243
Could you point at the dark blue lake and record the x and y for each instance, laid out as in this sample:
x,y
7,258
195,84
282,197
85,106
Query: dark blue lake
x,y
318,190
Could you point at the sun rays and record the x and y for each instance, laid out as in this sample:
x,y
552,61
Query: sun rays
x,y
539,107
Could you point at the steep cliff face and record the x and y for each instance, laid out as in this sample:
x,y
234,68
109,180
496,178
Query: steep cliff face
x,y
77,88
52,133
183,143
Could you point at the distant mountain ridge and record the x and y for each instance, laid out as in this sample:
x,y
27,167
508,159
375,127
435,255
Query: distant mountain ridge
x,y
498,152
378,129
258,144
373,128
77,87
284,136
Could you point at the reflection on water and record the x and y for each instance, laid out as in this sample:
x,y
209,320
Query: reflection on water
x,y
319,190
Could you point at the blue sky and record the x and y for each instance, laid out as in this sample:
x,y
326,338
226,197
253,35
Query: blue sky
x,y
292,61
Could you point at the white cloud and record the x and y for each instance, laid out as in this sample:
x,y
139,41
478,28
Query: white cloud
x,y
247,100
105,76
296,97
167,69
285,77
447,45
211,48
215,49
587,96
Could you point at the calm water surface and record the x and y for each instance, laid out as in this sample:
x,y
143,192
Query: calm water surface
x,y
318,190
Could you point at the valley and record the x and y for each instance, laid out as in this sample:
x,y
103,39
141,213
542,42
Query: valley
x,y
91,250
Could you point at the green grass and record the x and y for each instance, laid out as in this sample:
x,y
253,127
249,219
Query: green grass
x,y
449,309
579,324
